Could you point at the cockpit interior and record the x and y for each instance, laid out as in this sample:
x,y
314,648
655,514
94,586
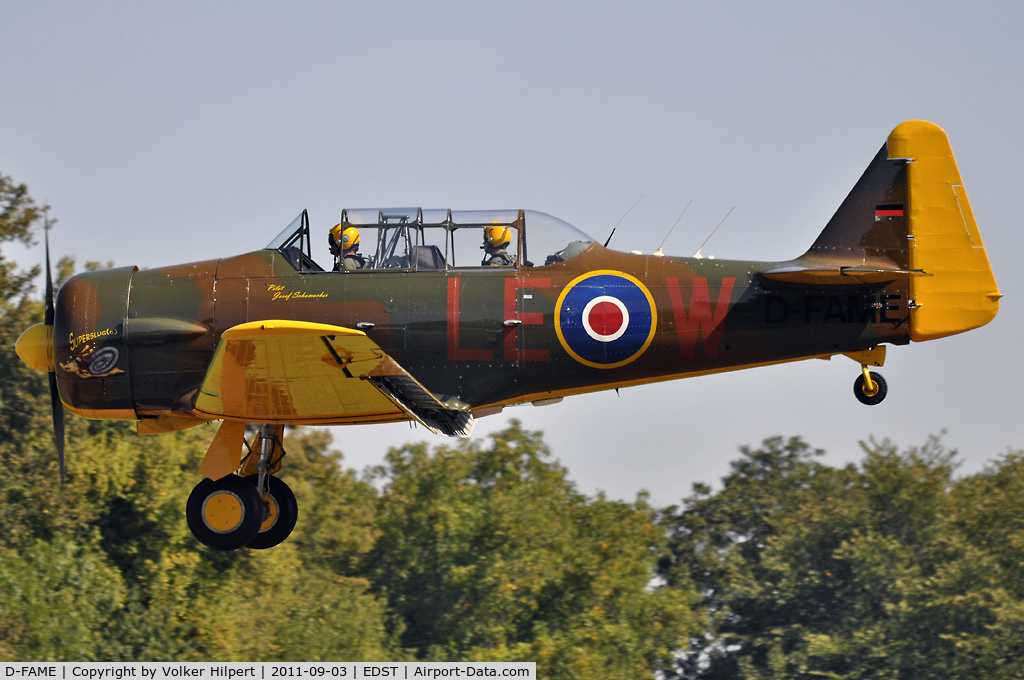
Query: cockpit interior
x,y
417,239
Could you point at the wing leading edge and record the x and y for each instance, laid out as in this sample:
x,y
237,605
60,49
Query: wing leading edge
x,y
299,372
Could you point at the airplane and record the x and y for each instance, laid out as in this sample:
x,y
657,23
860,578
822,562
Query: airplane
x,y
419,327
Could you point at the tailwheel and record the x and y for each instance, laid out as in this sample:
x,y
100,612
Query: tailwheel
x,y
224,514
280,511
870,387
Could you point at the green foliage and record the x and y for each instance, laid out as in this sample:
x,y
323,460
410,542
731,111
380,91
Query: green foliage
x,y
57,596
876,572
490,553
337,513
18,215
143,588
23,397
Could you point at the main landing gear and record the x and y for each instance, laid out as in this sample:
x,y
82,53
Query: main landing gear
x,y
252,509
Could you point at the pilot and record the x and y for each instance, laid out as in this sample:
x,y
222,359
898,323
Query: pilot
x,y
344,244
496,240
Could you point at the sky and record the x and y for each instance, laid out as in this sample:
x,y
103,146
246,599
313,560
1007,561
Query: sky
x,y
162,133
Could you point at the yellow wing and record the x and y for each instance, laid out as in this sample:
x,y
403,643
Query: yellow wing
x,y
299,372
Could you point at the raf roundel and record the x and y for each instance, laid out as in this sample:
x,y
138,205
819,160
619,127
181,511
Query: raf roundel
x,y
605,319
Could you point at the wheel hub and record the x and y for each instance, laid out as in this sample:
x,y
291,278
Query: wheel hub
x,y
223,511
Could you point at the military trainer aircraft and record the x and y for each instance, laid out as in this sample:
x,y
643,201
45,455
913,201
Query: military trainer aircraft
x,y
415,327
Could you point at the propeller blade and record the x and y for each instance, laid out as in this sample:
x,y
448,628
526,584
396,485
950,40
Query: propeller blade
x,y
55,403
48,318
58,424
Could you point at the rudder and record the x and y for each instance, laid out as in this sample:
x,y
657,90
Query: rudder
x,y
958,290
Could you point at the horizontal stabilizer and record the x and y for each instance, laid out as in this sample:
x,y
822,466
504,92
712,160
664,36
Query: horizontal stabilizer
x,y
838,275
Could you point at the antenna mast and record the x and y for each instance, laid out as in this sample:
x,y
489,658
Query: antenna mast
x,y
609,240
697,254
658,251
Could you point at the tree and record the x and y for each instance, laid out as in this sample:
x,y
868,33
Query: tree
x,y
18,215
23,393
490,553
809,571
336,523
57,594
192,603
717,542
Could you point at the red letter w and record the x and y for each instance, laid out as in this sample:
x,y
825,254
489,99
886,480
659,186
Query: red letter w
x,y
700,322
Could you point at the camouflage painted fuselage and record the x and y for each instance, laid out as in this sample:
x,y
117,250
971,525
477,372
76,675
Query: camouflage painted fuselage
x,y
482,337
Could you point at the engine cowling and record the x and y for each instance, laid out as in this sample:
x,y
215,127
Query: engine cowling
x,y
90,359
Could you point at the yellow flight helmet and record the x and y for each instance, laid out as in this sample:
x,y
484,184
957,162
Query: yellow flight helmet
x,y
497,236
349,238
344,238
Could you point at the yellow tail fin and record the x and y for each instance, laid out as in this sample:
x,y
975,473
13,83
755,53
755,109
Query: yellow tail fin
x,y
959,291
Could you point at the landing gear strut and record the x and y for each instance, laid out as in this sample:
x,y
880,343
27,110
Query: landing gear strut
x,y
254,509
870,387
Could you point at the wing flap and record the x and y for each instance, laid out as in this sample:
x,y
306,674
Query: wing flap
x,y
408,393
307,373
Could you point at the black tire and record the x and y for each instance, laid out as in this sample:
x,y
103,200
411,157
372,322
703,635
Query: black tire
x,y
881,389
281,512
224,514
